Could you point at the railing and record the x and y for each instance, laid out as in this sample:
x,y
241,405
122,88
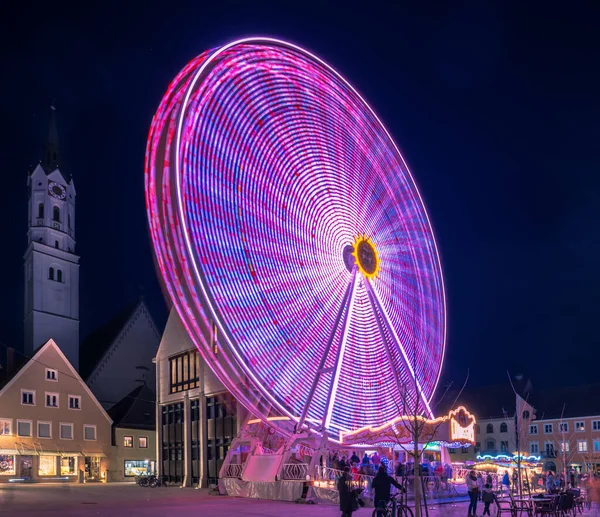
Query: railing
x,y
233,471
294,471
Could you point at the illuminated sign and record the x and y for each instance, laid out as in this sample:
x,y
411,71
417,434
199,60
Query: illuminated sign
x,y
462,433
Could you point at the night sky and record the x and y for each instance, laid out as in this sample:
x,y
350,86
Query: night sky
x,y
494,106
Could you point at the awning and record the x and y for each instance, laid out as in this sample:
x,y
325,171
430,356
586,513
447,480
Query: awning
x,y
9,452
93,454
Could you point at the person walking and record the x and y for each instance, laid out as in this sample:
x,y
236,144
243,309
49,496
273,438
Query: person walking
x,y
382,486
473,490
344,486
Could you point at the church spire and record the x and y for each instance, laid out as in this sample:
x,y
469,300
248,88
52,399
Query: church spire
x,y
52,157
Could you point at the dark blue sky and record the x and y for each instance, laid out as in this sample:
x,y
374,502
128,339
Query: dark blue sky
x,y
494,105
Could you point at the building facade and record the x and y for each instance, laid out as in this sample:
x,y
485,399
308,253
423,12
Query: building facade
x,y
51,425
51,266
197,418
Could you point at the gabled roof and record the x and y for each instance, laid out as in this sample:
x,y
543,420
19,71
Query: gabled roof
x,y
137,410
51,344
95,346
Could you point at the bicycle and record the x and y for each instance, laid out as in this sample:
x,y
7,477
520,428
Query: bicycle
x,y
397,504
143,481
157,481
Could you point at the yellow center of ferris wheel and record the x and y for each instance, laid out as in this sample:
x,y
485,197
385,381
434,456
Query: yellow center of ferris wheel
x,y
366,256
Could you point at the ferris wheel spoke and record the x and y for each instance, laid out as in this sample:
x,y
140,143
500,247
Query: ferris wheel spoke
x,y
321,370
378,307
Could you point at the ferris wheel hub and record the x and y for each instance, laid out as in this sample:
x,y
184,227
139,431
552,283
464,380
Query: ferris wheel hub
x,y
366,256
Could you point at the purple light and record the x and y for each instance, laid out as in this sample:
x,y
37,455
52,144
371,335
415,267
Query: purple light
x,y
262,165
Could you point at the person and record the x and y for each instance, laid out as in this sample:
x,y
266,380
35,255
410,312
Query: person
x,y
344,486
488,498
354,458
399,469
572,477
479,486
473,490
365,459
550,482
342,463
488,479
355,472
382,486
376,459
506,481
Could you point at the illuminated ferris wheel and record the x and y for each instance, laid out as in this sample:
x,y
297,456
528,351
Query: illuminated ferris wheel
x,y
292,239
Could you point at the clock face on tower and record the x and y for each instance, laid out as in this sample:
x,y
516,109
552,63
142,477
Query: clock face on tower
x,y
57,190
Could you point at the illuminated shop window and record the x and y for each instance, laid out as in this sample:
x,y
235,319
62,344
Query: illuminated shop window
x,y
7,465
68,465
47,466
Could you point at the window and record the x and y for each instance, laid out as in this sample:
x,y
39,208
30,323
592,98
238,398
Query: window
x,y
549,449
563,427
41,211
28,397
56,214
74,402
68,465
582,445
503,427
504,446
47,466
59,275
136,468
533,429
5,429
185,369
66,431
7,465
534,448
491,445
489,428
477,446
51,273
56,244
565,446
477,429
595,425
465,450
548,428
143,442
51,375
127,441
580,427
526,415
596,445
51,399
89,432
44,429
69,219
24,428
451,451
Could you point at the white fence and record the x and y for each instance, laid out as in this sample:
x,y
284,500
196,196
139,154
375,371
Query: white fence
x,y
233,471
294,471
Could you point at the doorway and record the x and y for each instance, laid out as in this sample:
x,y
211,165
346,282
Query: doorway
x,y
26,466
92,468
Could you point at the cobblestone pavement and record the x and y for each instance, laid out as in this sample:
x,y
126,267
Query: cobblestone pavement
x,y
128,500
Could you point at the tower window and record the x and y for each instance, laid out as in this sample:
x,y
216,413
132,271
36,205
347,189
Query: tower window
x,y
51,273
56,244
41,211
59,275
56,213
69,218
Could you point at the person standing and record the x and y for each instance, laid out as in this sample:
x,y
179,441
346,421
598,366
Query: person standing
x,y
344,486
479,486
506,481
487,498
473,489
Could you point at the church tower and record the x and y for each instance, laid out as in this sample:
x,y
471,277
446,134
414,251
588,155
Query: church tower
x,y
51,266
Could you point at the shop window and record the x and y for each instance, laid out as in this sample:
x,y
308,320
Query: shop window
x,y
24,428
74,402
185,371
128,441
143,442
5,426
66,431
503,427
44,429
7,465
89,432
28,397
489,429
51,375
51,399
136,468
548,428
47,466
68,465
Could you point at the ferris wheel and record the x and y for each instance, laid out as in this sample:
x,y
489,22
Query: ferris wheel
x,y
292,239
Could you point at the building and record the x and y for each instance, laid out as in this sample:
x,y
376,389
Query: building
x,y
51,425
51,266
118,356
197,418
133,435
